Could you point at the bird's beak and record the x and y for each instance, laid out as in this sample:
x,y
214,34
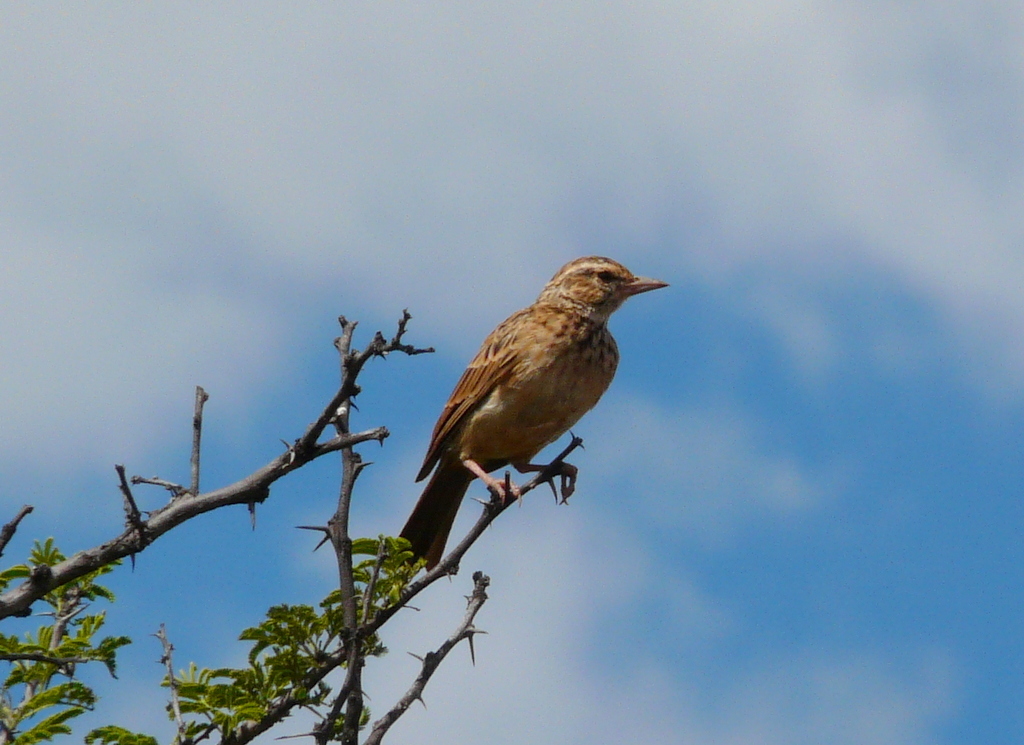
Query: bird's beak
x,y
643,284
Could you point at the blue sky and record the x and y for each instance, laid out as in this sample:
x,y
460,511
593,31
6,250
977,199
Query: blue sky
x,y
799,507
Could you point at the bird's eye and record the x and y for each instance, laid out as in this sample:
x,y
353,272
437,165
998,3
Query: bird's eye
x,y
606,276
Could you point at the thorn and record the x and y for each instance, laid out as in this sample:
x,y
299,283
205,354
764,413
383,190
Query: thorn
x,y
420,699
413,654
252,514
319,529
290,450
472,652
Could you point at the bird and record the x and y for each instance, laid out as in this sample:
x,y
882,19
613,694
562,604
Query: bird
x,y
535,375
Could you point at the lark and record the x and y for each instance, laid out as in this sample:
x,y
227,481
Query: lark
x,y
536,374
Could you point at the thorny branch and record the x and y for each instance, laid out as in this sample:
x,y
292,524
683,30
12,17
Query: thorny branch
x,y
350,698
183,505
351,466
466,630
133,518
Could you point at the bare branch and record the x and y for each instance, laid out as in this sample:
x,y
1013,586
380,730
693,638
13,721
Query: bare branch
x,y
133,517
305,449
351,466
8,530
253,488
185,503
466,630
197,433
176,490
396,345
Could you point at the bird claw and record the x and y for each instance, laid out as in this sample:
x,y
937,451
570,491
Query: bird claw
x,y
505,491
567,474
509,491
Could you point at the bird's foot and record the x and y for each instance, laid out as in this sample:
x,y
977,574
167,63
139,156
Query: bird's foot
x,y
503,489
566,472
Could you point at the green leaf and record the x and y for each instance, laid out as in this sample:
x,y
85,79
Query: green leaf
x,y
365,547
50,727
113,735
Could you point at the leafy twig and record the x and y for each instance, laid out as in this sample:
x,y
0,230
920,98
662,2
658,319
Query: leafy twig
x,y
172,682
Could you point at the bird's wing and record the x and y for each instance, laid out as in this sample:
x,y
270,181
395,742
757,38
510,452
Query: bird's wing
x,y
491,366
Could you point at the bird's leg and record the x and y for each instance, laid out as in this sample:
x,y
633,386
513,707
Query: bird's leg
x,y
504,488
567,472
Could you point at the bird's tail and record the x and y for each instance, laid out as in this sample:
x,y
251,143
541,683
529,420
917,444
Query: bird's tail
x,y
432,518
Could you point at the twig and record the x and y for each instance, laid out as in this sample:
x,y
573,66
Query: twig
x,y
69,604
466,630
350,698
172,682
133,518
395,345
352,465
176,490
8,530
377,348
60,662
323,733
131,509
197,434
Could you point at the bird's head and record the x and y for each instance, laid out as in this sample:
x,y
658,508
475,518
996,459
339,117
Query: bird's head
x,y
596,286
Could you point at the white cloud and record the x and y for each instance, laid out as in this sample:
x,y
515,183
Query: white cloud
x,y
98,351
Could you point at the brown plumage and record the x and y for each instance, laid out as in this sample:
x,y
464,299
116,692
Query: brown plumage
x,y
535,375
